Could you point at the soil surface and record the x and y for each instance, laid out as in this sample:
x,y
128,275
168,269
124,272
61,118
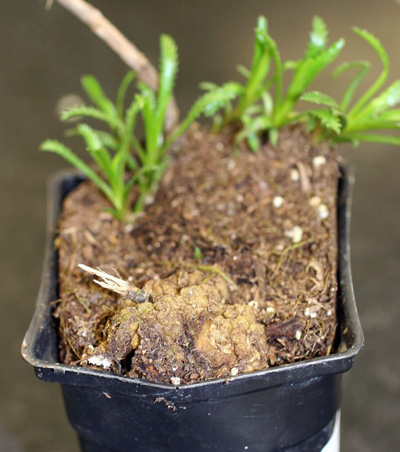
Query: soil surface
x,y
238,253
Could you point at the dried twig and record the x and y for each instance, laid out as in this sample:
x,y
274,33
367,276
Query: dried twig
x,y
304,179
118,285
122,46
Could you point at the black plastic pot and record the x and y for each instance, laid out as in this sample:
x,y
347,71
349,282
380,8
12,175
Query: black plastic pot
x,y
287,408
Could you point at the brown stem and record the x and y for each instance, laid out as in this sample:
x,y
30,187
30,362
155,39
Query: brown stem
x,y
123,47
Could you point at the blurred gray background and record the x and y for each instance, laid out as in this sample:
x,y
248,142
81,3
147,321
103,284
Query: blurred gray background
x,y
43,55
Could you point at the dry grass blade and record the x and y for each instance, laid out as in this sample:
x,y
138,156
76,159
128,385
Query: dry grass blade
x,y
118,285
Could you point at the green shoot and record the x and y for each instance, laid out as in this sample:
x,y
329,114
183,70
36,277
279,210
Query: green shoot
x,y
257,111
110,151
198,255
262,107
372,111
123,161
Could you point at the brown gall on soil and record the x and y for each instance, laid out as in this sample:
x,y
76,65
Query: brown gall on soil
x,y
188,332
265,221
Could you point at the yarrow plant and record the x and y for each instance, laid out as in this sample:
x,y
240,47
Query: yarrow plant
x,y
123,161
255,108
256,111
346,122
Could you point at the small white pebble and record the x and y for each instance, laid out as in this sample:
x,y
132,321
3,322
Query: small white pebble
x,y
319,160
313,315
277,201
307,312
234,371
149,200
253,303
294,175
100,361
175,381
279,247
128,228
239,198
270,310
233,236
298,335
219,146
315,201
329,313
323,211
296,234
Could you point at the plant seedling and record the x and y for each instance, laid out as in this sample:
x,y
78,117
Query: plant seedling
x,y
338,122
198,255
122,159
258,112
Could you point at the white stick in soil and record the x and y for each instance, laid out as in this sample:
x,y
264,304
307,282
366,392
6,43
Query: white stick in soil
x,y
122,46
118,285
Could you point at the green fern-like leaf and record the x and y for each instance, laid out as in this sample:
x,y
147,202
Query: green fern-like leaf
x,y
329,119
318,37
123,88
356,138
308,69
363,68
207,104
243,71
377,46
388,99
96,94
94,146
319,98
91,112
66,153
168,71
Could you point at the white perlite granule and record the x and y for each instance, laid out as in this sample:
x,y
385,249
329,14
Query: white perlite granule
x,y
100,361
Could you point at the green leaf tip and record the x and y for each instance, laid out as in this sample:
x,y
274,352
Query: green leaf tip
x,y
318,36
375,43
262,25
